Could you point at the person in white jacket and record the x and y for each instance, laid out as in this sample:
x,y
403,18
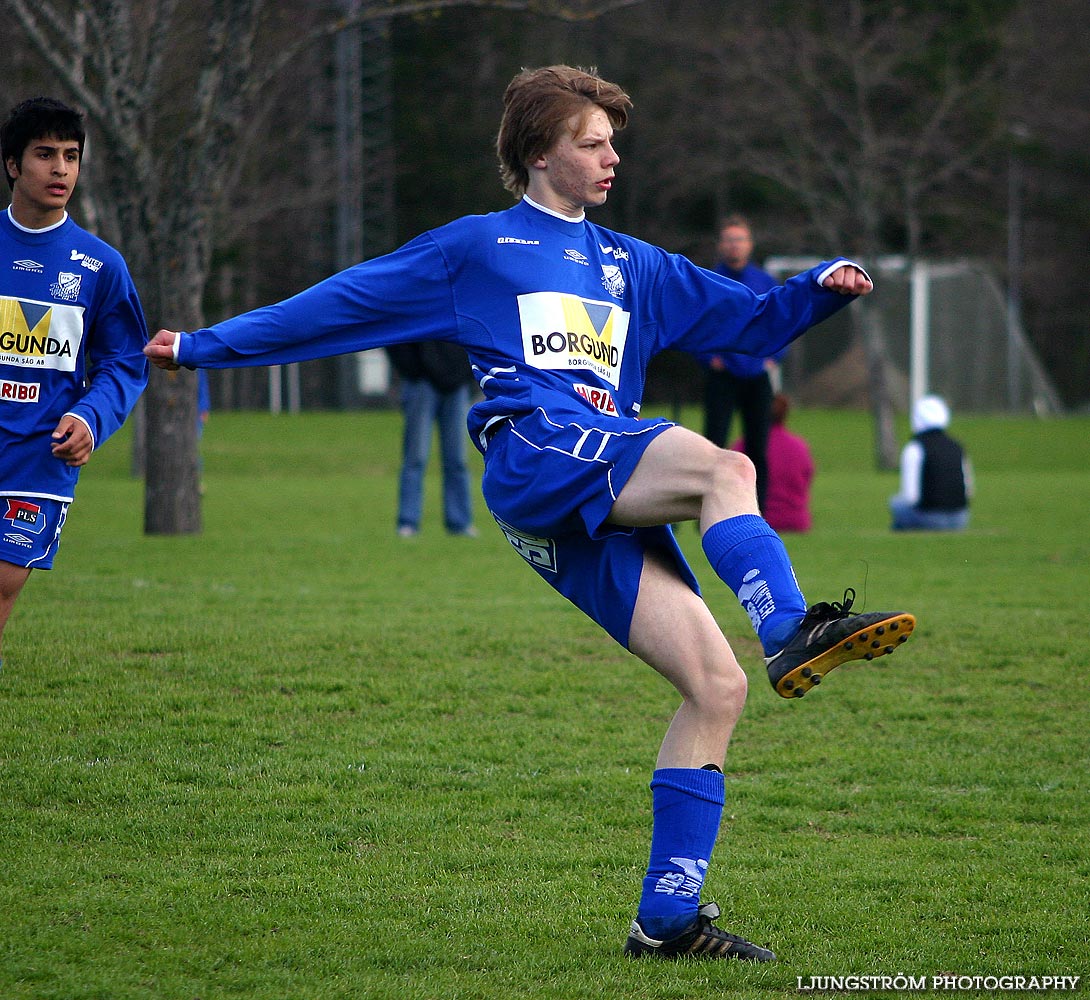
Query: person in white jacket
x,y
936,474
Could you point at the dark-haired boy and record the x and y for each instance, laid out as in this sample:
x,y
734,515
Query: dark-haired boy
x,y
71,336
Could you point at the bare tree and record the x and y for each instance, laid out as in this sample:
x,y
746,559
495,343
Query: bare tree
x,y
173,90
874,107
858,114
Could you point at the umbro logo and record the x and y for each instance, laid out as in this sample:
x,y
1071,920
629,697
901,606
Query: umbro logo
x,y
27,265
575,255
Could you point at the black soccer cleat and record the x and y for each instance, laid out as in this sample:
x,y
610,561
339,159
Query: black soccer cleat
x,y
831,635
701,939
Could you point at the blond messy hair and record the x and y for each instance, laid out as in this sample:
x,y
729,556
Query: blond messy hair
x,y
537,106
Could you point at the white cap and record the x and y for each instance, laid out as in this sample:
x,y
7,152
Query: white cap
x,y
928,413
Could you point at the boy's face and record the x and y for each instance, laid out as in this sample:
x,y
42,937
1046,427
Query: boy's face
x,y
577,172
44,180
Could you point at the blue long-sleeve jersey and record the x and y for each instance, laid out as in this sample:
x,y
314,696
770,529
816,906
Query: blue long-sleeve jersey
x,y
72,334
551,312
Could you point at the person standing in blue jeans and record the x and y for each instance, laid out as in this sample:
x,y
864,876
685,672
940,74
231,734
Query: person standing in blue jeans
x,y
435,380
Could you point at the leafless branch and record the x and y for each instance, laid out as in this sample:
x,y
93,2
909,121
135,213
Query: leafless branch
x,y
378,10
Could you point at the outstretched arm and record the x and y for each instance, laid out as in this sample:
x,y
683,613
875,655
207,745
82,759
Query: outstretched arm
x,y
400,297
707,314
160,350
848,280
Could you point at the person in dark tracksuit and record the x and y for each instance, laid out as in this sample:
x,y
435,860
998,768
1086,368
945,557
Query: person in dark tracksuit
x,y
742,382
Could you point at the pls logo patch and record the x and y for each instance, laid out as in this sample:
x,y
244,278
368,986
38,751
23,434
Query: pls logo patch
x,y
25,515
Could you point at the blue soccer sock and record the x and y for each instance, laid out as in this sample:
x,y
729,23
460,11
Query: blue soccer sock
x,y
688,805
750,558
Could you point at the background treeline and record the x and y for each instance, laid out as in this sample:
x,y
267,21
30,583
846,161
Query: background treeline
x,y
945,129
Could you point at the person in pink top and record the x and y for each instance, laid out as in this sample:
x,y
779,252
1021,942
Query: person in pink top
x,y
790,473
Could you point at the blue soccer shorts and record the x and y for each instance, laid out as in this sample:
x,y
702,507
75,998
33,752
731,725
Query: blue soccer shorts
x,y
551,484
30,530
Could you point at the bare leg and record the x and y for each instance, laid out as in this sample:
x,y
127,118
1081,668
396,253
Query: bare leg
x,y
674,632
12,578
684,477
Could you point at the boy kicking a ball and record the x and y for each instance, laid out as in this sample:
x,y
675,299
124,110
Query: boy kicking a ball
x,y
560,318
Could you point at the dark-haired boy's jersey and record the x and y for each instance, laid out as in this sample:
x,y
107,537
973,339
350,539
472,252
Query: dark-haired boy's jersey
x,y
72,334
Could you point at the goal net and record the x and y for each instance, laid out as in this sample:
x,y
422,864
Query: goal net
x,y
948,330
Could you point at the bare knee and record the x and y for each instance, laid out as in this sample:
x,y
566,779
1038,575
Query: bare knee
x,y
732,469
732,487
719,691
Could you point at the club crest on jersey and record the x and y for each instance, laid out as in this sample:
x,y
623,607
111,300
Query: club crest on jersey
x,y
66,286
563,332
24,515
613,280
600,399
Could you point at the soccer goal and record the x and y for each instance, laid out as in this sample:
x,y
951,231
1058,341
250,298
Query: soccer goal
x,y
948,329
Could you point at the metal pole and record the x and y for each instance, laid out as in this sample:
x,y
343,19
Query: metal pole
x,y
920,323
349,156
1014,269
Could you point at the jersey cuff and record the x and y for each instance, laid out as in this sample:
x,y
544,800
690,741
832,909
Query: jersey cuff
x,y
836,265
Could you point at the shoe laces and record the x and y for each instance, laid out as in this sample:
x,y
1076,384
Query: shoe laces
x,y
708,929
709,912
832,610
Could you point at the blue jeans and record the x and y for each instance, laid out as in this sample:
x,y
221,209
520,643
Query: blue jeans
x,y
423,406
909,518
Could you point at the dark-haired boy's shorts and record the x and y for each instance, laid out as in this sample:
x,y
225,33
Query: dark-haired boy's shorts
x,y
30,530
551,484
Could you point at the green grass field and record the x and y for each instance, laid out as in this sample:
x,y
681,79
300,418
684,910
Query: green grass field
x,y
299,757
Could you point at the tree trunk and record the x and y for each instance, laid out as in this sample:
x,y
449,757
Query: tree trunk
x,y
172,501
868,321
